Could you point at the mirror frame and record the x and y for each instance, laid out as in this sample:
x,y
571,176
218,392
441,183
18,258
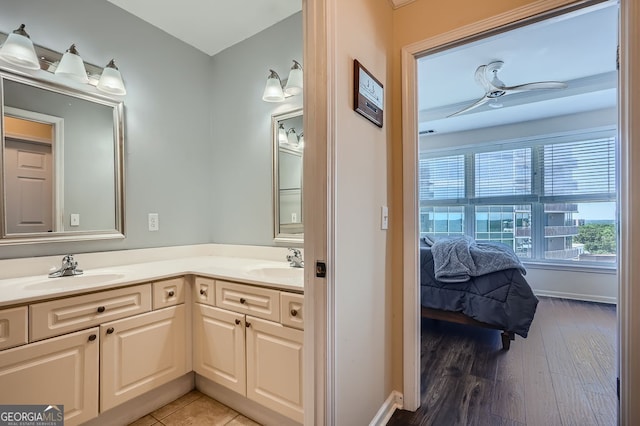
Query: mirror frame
x,y
295,240
118,141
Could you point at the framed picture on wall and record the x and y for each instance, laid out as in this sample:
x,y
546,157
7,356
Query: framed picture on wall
x,y
368,94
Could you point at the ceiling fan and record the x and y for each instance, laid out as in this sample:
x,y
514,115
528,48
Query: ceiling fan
x,y
495,88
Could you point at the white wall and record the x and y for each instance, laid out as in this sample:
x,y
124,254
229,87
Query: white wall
x,y
362,309
241,183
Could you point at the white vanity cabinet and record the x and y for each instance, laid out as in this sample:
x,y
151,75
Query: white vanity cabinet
x,y
94,351
57,371
242,344
140,353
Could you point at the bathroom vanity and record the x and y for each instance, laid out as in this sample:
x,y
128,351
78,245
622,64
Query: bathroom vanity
x,y
234,325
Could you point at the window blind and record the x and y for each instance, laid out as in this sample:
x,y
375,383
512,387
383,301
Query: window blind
x,y
503,173
442,178
579,168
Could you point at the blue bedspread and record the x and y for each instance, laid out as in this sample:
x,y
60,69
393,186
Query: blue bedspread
x,y
502,298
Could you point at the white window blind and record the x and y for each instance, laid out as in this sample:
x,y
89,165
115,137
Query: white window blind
x,y
442,178
580,168
503,173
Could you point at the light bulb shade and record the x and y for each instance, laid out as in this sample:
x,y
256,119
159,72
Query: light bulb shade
x,y
72,66
111,80
273,89
282,134
292,137
18,50
294,82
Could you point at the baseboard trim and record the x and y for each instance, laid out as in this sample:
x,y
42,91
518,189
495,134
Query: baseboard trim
x,y
394,402
576,296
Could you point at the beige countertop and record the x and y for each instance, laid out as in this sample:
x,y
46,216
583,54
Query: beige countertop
x,y
256,271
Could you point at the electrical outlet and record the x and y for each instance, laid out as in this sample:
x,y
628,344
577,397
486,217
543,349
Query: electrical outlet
x,y
75,219
294,218
154,224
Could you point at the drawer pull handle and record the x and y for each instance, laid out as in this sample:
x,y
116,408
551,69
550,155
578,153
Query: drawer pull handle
x,y
248,324
170,293
92,337
243,300
110,330
238,322
294,312
203,292
101,309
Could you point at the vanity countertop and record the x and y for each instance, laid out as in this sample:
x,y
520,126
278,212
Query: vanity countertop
x,y
261,272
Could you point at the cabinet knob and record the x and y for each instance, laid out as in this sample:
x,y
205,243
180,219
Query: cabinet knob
x,y
243,300
294,312
110,330
101,309
248,324
238,322
92,337
203,292
170,293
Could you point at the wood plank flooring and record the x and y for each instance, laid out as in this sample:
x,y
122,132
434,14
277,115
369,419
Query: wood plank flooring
x,y
562,374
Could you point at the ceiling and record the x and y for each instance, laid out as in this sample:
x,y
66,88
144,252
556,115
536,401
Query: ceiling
x,y
578,48
211,26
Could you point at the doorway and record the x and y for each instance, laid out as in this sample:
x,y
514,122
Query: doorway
x,y
409,57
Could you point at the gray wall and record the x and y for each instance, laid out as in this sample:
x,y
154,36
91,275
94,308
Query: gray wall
x,y
241,124
197,134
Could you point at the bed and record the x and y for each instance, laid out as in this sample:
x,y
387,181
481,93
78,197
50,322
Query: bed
x,y
497,297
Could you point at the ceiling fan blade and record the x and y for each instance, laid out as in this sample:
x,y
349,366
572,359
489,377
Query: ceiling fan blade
x,y
481,78
476,104
540,85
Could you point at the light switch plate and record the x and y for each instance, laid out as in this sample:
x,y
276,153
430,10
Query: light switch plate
x,y
384,217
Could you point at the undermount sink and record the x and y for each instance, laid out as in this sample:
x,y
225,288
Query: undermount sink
x,y
63,283
277,273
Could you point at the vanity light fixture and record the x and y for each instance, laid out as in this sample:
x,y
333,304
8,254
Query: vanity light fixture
x,y
274,91
282,134
111,80
18,50
72,66
294,82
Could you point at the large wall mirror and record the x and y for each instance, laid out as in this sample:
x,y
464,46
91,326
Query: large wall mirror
x,y
62,163
288,150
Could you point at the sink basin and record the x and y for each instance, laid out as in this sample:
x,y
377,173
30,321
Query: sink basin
x,y
278,273
64,283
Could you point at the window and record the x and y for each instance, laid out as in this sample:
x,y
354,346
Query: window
x,y
551,200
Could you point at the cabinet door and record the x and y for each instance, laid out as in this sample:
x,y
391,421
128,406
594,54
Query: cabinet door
x,y
218,346
57,371
274,366
140,353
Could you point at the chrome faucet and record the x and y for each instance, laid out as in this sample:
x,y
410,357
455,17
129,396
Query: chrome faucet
x,y
69,268
295,258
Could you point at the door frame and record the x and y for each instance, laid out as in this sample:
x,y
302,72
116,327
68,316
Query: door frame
x,y
629,194
57,152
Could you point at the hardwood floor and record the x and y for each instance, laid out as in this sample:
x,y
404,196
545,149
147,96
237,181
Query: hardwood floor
x,y
563,373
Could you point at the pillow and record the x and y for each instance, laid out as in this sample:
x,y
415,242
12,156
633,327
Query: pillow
x,y
427,241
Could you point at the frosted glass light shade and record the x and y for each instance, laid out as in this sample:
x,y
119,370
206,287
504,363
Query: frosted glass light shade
x,y
111,80
72,66
282,134
273,89
294,82
18,50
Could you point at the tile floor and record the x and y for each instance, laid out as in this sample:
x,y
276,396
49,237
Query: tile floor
x,y
194,409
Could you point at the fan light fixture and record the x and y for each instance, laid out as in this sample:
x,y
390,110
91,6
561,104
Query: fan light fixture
x,y
274,91
72,66
111,80
18,50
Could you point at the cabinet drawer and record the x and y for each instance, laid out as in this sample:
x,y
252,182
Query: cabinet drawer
x,y
292,314
168,293
204,291
256,301
13,327
75,313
